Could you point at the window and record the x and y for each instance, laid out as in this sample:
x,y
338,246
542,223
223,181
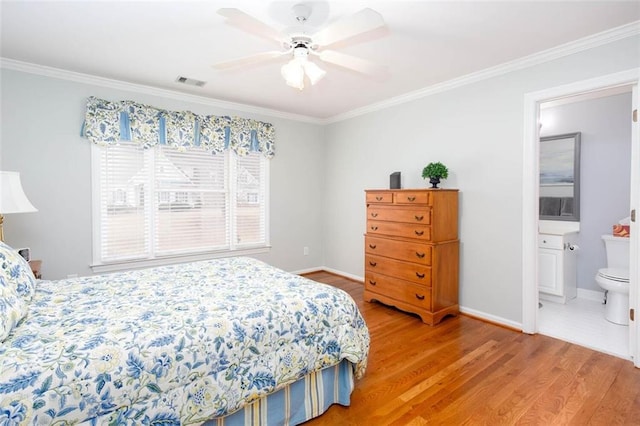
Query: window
x,y
159,203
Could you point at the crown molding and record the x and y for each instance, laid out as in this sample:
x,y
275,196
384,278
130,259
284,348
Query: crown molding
x,y
585,43
77,77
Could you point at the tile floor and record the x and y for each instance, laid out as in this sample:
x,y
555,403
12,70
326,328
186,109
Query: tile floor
x,y
581,321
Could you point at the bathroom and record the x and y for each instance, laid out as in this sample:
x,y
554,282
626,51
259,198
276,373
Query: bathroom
x,y
603,121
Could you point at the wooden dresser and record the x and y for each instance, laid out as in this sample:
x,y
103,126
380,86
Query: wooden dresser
x,y
411,251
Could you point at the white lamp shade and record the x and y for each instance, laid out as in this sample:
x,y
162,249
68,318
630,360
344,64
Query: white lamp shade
x,y
314,72
293,74
12,196
295,70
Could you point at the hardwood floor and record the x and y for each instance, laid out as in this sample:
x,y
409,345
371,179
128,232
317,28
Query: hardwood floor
x,y
465,371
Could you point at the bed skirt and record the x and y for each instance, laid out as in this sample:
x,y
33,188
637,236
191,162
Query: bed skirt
x,y
298,402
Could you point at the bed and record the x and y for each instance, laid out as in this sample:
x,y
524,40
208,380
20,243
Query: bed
x,y
222,342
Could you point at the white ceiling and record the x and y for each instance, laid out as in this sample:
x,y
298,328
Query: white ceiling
x,y
154,42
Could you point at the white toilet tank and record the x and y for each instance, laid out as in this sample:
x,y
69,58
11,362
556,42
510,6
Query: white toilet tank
x,y
617,251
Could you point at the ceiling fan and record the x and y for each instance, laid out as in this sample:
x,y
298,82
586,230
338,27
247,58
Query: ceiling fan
x,y
300,46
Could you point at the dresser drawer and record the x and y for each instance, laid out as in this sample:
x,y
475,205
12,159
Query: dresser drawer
x,y
400,214
398,229
420,274
400,250
408,197
380,197
400,290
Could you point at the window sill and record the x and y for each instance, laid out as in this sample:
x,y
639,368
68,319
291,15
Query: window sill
x,y
100,268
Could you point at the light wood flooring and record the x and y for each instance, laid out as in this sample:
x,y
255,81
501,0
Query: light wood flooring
x,y
465,372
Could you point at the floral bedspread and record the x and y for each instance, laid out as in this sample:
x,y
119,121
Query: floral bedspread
x,y
172,345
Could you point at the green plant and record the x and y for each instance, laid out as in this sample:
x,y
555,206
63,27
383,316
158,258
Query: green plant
x,y
435,170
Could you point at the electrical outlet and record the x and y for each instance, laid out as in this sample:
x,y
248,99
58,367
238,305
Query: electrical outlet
x,y
305,251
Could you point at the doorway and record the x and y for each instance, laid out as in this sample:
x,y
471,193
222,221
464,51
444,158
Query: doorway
x,y
600,188
531,192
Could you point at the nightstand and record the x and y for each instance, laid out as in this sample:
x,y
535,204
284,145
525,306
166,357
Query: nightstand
x,y
36,266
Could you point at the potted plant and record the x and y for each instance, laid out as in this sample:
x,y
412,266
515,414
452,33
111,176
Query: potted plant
x,y
435,172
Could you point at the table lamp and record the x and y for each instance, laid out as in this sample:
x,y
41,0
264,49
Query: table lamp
x,y
12,197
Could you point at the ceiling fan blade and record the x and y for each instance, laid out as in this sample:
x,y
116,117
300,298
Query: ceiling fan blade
x,y
361,22
248,60
353,63
249,24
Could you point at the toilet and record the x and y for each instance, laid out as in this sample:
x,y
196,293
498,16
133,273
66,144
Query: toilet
x,y
615,279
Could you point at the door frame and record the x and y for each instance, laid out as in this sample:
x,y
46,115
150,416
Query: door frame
x,y
530,194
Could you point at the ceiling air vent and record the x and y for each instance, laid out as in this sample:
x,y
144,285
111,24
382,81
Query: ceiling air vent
x,y
190,81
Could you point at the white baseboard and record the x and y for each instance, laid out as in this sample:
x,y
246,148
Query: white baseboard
x,y
344,274
307,271
596,295
491,318
330,270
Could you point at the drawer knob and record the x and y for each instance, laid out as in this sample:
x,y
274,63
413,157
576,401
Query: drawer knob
x,y
372,263
411,199
373,246
419,275
419,233
374,214
374,228
420,255
372,282
419,218
419,297
378,198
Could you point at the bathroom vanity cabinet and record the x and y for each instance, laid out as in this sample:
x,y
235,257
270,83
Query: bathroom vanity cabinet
x,y
557,267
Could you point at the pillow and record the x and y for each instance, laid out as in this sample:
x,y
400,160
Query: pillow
x,y
15,273
12,309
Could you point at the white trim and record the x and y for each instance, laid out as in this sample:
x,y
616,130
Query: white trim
x,y
344,274
530,172
77,77
585,43
609,91
329,270
308,270
566,49
530,193
170,260
634,243
491,318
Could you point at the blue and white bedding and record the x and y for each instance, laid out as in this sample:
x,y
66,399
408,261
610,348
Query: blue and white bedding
x,y
171,345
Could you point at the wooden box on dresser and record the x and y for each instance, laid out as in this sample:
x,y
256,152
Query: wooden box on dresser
x,y
411,251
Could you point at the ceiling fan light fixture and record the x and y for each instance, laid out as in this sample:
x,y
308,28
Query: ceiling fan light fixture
x,y
300,45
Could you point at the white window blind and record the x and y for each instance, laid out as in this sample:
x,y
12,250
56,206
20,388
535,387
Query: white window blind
x,y
124,188
162,202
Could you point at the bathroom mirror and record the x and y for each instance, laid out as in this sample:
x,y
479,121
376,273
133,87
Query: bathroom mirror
x,y
560,177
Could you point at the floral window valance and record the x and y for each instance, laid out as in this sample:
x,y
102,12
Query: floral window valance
x,y
107,123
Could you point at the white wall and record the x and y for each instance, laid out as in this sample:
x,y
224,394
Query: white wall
x,y
319,173
477,131
605,171
41,121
